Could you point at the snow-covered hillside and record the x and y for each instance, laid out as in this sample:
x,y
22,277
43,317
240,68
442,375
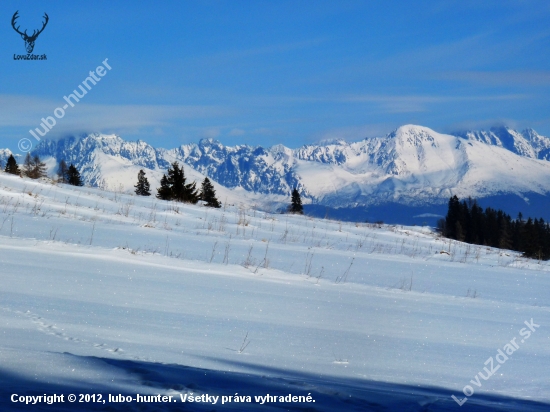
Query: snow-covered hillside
x,y
108,293
412,166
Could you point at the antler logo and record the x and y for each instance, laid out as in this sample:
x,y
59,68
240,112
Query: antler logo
x,y
29,40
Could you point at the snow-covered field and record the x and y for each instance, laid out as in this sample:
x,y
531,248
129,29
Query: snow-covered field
x,y
107,293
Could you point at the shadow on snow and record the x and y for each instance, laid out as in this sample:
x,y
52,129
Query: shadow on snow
x,y
329,393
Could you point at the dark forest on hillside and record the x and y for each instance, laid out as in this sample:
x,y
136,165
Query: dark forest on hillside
x,y
468,222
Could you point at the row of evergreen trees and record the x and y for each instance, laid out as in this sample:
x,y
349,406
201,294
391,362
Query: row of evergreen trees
x,y
468,222
34,168
174,186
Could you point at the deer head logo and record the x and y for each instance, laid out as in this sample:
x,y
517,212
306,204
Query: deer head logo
x,y
29,40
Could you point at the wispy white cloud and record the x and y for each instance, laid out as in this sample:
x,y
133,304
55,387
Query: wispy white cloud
x,y
236,132
265,131
500,78
482,124
420,103
263,50
210,133
27,111
407,103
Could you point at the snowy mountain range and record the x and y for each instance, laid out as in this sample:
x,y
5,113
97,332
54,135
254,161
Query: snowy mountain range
x,y
413,166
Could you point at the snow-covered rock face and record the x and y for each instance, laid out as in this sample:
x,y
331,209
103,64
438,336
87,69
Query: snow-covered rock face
x,y
527,143
412,165
105,161
254,169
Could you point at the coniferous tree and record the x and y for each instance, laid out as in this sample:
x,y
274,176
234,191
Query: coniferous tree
x,y
173,186
504,241
531,243
459,233
496,229
142,187
208,194
453,215
73,176
296,203
164,192
543,238
11,166
191,193
176,180
62,171
476,214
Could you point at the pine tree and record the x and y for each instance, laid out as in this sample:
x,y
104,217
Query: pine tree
x,y
459,232
164,192
62,171
453,216
173,186
176,180
73,176
11,166
142,187
296,203
190,193
208,194
504,238
497,229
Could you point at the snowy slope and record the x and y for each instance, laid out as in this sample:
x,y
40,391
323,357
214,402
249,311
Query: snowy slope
x,y
109,293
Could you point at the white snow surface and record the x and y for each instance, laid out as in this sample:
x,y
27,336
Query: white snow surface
x,y
110,293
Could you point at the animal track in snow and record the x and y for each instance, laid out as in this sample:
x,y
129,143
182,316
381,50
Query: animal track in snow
x,y
49,328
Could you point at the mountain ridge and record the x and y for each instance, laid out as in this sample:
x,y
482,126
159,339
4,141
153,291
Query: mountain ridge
x,y
413,165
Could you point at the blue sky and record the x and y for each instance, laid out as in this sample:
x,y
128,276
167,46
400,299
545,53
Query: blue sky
x,y
268,72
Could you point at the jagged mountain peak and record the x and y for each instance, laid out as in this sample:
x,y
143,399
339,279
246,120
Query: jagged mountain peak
x,y
527,143
412,164
210,142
